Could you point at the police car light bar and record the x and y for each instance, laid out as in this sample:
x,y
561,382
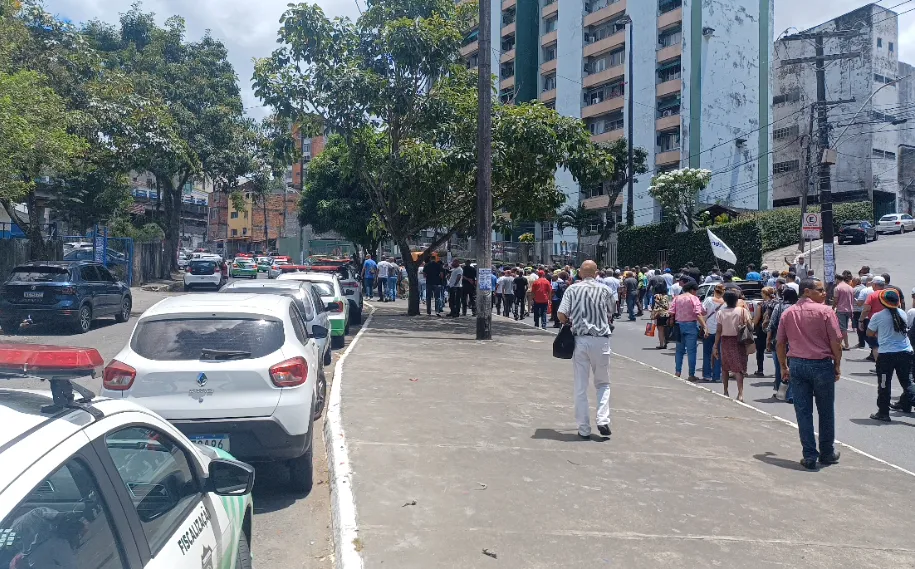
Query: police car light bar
x,y
58,365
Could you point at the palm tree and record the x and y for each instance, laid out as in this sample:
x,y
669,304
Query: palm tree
x,y
579,218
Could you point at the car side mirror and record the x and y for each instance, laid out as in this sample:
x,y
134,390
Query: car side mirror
x,y
230,477
319,332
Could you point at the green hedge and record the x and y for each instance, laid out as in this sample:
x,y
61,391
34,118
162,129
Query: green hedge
x,y
749,237
641,245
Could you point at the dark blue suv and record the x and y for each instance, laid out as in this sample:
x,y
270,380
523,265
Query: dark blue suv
x,y
71,293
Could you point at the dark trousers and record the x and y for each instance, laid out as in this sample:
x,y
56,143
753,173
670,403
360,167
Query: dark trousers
x,y
814,381
370,286
507,301
554,316
454,301
497,302
760,351
630,305
540,314
519,307
901,363
855,320
468,298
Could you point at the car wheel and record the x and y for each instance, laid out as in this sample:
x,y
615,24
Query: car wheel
x,y
876,235
84,320
11,327
243,554
336,342
355,314
301,469
320,393
124,314
328,357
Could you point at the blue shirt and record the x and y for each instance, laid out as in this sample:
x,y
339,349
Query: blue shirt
x,y
888,338
754,276
494,279
371,268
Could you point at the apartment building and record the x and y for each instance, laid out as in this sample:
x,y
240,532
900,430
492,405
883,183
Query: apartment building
x,y
869,131
700,87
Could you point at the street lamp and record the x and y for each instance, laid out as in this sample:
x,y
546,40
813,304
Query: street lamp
x,y
630,191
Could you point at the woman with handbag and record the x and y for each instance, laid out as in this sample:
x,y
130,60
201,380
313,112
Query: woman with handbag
x,y
687,316
711,367
732,339
660,313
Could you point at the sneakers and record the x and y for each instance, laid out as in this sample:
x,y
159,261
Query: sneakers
x,y
584,437
870,358
604,430
881,418
832,459
759,374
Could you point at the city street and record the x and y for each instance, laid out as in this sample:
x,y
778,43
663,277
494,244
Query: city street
x,y
290,530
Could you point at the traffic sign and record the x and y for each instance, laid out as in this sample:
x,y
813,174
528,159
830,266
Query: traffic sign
x,y
812,226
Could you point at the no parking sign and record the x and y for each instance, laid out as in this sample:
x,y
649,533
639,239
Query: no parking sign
x,y
812,226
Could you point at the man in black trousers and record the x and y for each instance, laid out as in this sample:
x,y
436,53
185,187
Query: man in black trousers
x,y
469,289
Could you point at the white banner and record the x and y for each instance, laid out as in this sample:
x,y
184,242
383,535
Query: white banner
x,y
720,248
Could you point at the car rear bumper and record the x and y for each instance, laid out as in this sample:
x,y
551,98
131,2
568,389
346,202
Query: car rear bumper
x,y
890,229
211,280
53,313
337,326
256,439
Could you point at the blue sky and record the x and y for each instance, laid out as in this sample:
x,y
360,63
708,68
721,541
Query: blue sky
x,y
248,28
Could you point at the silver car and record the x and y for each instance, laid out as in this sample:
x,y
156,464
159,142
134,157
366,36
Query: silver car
x,y
896,223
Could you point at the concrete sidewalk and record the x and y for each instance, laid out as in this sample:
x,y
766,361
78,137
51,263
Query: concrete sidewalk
x,y
461,451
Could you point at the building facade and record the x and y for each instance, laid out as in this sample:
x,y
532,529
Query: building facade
x,y
869,96
700,87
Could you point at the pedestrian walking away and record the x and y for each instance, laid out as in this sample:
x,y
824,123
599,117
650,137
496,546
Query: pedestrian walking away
x,y
728,344
843,301
559,289
760,324
587,307
508,291
631,286
660,314
711,367
894,354
520,284
541,293
809,344
433,271
469,288
454,289
369,270
686,313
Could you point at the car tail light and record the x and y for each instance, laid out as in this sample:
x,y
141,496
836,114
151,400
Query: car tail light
x,y
118,376
289,373
67,290
336,307
234,265
188,269
897,223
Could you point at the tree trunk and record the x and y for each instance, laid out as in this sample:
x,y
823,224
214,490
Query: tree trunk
x,y
36,239
172,201
412,275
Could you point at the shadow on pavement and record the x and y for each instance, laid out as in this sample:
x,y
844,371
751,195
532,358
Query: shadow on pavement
x,y
873,422
554,435
774,460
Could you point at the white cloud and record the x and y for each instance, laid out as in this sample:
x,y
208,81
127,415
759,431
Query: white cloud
x,y
248,29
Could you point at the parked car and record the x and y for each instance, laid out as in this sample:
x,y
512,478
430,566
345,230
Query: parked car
x,y
232,371
105,483
204,272
243,267
350,284
275,269
338,308
69,293
857,231
81,254
752,292
263,264
896,223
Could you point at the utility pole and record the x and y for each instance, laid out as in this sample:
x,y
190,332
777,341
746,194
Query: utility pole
x,y
484,176
630,191
808,170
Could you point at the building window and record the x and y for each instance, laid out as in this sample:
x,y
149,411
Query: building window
x,y
879,42
669,141
507,70
506,96
673,37
885,154
473,60
234,215
550,25
788,97
549,53
891,47
508,44
669,72
234,233
787,166
246,215
593,191
547,230
606,124
665,6
551,105
244,230
601,94
549,82
881,79
786,132
669,106
508,17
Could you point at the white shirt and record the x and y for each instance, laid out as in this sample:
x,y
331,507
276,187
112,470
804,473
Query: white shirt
x,y
421,275
613,283
669,278
795,286
864,293
675,289
710,308
457,275
910,317
503,284
383,269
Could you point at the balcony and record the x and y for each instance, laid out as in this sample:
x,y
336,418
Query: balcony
x,y
604,76
669,87
608,136
549,10
548,67
668,122
548,38
508,30
507,56
670,52
668,157
507,83
508,4
597,202
548,96
470,48
671,18
606,44
604,107
604,14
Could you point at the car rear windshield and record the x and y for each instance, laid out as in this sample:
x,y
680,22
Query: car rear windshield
x,y
323,288
851,224
201,338
202,264
888,218
40,275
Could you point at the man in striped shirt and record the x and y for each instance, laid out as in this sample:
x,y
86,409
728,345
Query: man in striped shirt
x,y
588,307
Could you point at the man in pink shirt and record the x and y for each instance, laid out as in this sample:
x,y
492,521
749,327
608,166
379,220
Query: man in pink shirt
x,y
844,302
810,352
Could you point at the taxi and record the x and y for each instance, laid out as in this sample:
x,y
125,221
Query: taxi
x,y
243,267
102,483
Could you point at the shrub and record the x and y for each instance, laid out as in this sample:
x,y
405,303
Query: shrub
x,y
641,245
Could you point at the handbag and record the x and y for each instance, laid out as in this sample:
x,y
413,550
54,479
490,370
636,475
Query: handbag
x,y
673,333
745,334
564,344
649,329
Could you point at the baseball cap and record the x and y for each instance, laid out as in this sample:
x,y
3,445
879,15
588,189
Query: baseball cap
x,y
666,270
878,280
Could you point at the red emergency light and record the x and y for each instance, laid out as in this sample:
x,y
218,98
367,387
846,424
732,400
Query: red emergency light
x,y
56,364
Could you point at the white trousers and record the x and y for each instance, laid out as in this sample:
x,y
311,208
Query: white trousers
x,y
592,354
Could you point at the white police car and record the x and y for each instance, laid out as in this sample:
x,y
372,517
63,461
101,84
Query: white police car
x,y
96,483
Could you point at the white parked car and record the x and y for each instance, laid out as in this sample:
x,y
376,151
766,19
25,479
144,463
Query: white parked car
x,y
328,286
94,482
896,223
203,272
274,270
231,371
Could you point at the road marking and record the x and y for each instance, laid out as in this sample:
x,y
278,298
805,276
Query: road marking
x,y
757,409
342,501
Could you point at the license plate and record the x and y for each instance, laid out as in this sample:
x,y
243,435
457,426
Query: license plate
x,y
32,294
215,441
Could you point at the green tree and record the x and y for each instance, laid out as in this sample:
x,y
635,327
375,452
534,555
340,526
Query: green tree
x,y
619,150
578,218
678,190
392,86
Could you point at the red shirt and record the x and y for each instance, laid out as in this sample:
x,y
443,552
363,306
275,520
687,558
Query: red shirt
x,y
542,290
810,328
873,300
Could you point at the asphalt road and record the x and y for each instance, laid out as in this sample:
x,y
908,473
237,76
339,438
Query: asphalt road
x,y
290,530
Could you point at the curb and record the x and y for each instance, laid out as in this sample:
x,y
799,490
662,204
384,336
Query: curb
x,y
342,503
